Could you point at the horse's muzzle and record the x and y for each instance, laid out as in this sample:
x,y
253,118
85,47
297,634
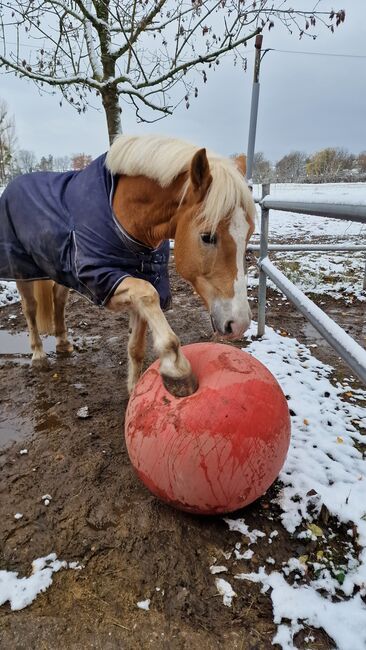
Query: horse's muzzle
x,y
230,326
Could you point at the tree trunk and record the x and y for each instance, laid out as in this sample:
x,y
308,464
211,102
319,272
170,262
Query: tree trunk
x,y
112,111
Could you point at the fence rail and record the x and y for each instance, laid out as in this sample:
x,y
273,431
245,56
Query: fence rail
x,y
350,351
347,212
310,247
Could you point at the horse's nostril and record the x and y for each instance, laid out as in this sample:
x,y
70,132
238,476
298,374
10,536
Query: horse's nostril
x,y
228,327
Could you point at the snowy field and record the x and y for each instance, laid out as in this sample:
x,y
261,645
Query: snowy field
x,y
325,467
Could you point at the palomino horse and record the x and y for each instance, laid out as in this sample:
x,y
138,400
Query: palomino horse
x,y
102,231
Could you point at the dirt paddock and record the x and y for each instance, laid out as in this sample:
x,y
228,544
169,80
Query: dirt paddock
x,y
131,546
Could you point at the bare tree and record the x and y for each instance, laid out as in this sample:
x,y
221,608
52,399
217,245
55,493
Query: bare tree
x,y
26,161
80,160
137,50
61,164
262,168
292,167
7,143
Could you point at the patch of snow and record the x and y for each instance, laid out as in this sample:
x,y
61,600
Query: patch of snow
x,y
240,526
8,293
225,589
21,592
301,603
293,565
216,568
247,555
144,604
18,515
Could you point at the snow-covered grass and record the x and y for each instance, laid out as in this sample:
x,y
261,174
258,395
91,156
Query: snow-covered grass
x,y
325,469
335,274
8,293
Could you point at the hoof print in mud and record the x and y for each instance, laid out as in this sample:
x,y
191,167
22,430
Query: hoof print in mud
x,y
180,387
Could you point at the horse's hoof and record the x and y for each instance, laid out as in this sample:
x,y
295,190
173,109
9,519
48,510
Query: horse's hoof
x,y
65,348
40,363
180,387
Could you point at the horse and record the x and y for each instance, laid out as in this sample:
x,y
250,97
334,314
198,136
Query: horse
x,y
104,231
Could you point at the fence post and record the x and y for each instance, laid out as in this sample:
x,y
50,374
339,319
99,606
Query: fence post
x,y
262,287
254,109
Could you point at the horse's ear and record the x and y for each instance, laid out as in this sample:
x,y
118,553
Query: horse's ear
x,y
200,172
241,163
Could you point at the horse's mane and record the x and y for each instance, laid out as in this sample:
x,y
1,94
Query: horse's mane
x,y
162,159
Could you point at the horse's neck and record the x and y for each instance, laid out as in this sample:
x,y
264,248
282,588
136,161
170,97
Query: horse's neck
x,y
146,210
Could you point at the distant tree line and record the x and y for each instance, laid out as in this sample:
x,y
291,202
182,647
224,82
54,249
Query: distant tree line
x,y
328,165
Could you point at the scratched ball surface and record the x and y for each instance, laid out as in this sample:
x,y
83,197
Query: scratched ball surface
x,y
215,451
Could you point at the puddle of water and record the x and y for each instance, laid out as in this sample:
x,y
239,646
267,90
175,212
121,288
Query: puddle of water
x,y
16,347
311,333
13,429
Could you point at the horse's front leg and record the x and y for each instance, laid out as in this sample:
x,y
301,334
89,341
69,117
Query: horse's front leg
x,y
175,369
136,348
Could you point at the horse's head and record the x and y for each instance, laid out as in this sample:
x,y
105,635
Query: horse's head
x,y
213,224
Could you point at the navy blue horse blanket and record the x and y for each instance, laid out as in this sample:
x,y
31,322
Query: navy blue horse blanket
x,y
61,226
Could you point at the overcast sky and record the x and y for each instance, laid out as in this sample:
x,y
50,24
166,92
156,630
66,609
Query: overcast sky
x,y
307,101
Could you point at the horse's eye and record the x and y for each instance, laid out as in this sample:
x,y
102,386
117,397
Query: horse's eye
x,y
209,238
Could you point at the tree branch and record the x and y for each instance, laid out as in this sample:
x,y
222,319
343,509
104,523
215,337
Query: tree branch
x,y
204,58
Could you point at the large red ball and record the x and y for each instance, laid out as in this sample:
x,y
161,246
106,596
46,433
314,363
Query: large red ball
x,y
219,449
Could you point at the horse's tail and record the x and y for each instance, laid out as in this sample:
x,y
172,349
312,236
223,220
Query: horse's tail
x,y
43,293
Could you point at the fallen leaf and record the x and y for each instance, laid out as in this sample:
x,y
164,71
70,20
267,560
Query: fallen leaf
x,y
340,440
340,577
316,530
311,493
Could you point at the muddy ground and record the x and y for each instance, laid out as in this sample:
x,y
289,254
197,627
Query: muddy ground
x,y
132,546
